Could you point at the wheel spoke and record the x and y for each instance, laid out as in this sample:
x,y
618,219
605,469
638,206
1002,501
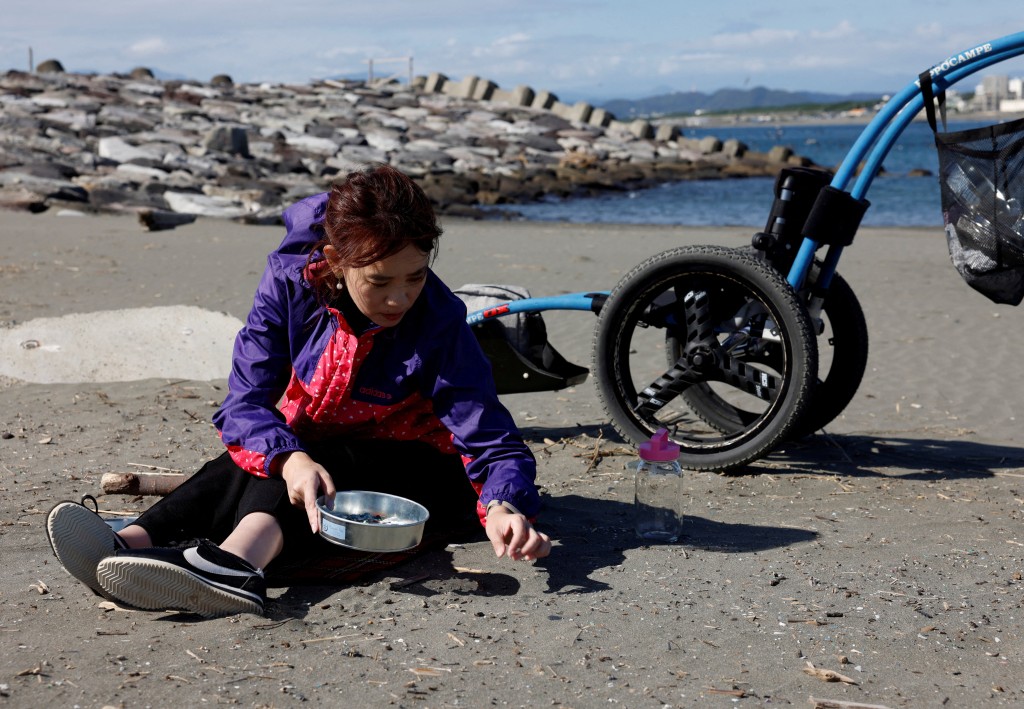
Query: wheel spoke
x,y
665,388
751,379
697,318
693,312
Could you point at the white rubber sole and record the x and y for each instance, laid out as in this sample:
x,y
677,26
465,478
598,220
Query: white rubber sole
x,y
80,540
155,585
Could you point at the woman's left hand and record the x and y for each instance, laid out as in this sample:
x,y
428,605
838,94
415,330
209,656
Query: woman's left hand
x,y
512,535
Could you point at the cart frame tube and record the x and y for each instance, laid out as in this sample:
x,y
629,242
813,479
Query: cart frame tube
x,y
569,301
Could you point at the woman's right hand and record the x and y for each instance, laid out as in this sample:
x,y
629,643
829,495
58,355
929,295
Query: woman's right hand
x,y
306,480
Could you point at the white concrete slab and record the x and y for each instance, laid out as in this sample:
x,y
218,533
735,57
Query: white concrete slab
x,y
174,342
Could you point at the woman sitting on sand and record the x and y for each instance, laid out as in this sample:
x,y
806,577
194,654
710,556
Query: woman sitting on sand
x,y
355,370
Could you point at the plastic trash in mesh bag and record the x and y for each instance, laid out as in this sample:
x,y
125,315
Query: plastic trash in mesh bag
x,y
981,175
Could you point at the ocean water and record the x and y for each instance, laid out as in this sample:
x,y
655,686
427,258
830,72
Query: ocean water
x,y
897,199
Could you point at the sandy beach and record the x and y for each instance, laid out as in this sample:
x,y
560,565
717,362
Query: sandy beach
x,y
878,563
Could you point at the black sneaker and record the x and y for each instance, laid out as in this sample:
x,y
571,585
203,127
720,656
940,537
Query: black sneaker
x,y
202,579
80,539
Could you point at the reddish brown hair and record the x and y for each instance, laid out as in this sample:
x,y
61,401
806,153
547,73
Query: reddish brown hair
x,y
372,214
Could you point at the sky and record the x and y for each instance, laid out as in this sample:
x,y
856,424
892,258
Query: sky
x,y
592,50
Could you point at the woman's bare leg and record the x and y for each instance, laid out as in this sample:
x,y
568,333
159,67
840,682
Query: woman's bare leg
x,y
257,539
135,537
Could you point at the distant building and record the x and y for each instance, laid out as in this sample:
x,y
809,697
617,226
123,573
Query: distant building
x,y
1015,102
1011,105
858,112
999,93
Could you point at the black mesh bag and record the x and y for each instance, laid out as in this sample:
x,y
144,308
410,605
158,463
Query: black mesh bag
x,y
981,176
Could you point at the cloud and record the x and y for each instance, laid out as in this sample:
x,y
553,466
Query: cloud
x,y
760,37
149,47
930,30
818,61
513,40
843,30
686,63
504,47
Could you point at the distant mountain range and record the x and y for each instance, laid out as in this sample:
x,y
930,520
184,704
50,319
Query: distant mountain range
x,y
725,100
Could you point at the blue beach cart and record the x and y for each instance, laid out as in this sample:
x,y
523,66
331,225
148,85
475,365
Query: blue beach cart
x,y
737,350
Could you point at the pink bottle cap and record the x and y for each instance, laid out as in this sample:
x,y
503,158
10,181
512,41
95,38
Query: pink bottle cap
x,y
659,448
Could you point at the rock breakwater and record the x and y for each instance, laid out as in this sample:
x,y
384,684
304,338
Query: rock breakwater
x,y
171,150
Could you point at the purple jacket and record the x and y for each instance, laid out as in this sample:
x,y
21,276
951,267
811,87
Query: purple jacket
x,y
302,372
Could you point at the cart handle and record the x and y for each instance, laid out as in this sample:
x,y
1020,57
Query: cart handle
x,y
884,131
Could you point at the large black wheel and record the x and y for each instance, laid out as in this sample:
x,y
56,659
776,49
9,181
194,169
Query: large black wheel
x,y
842,360
842,356
744,333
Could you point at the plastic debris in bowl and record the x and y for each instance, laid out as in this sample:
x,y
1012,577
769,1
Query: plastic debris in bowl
x,y
372,521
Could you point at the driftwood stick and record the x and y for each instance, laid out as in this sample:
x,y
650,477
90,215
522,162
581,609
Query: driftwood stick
x,y
140,483
150,466
841,704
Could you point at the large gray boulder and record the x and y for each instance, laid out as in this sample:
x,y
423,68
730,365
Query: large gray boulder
x,y
233,140
50,66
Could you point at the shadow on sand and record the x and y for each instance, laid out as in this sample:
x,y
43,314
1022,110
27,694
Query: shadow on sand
x,y
926,459
855,455
594,534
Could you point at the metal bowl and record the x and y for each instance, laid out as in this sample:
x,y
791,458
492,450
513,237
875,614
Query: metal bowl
x,y
390,523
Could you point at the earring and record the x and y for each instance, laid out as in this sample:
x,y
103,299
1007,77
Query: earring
x,y
340,284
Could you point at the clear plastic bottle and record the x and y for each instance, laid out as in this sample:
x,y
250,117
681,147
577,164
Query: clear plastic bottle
x,y
659,480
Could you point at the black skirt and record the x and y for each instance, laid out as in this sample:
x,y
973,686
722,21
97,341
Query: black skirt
x,y
210,503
